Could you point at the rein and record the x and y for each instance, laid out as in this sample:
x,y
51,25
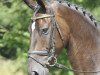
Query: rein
x,y
51,52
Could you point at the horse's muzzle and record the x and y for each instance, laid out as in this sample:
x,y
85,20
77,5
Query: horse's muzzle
x,y
35,68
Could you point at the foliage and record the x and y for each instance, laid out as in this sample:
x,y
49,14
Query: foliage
x,y
14,37
14,19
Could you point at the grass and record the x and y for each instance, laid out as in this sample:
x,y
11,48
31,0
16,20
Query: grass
x,y
10,67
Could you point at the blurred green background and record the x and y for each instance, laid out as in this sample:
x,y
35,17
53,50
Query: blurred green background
x,y
14,36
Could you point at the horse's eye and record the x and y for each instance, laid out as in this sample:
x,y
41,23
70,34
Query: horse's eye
x,y
45,31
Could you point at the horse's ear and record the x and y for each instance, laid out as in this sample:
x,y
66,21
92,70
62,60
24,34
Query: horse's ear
x,y
30,3
42,5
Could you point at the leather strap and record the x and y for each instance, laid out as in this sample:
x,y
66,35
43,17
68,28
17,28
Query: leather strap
x,y
42,52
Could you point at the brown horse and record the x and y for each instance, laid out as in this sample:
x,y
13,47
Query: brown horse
x,y
57,24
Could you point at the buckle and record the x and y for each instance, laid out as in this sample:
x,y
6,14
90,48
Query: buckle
x,y
51,61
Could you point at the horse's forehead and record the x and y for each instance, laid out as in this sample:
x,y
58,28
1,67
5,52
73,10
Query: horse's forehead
x,y
43,21
40,22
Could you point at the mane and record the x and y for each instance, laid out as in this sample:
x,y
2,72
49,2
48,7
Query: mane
x,y
81,10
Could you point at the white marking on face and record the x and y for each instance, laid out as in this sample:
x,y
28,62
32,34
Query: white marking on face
x,y
33,26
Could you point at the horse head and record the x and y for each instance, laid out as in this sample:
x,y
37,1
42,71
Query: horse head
x,y
56,25
46,38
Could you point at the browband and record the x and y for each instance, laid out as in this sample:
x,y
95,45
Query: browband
x,y
40,17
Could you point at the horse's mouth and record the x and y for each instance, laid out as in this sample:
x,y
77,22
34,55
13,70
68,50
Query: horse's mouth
x,y
39,72
36,68
35,73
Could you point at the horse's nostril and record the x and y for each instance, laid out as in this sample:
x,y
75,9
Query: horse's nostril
x,y
35,73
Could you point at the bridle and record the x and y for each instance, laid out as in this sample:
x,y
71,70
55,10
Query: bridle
x,y
51,52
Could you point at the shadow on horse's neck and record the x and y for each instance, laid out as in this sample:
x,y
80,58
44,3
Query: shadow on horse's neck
x,y
84,42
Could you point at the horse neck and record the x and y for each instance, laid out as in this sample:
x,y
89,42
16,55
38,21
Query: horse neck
x,y
83,48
